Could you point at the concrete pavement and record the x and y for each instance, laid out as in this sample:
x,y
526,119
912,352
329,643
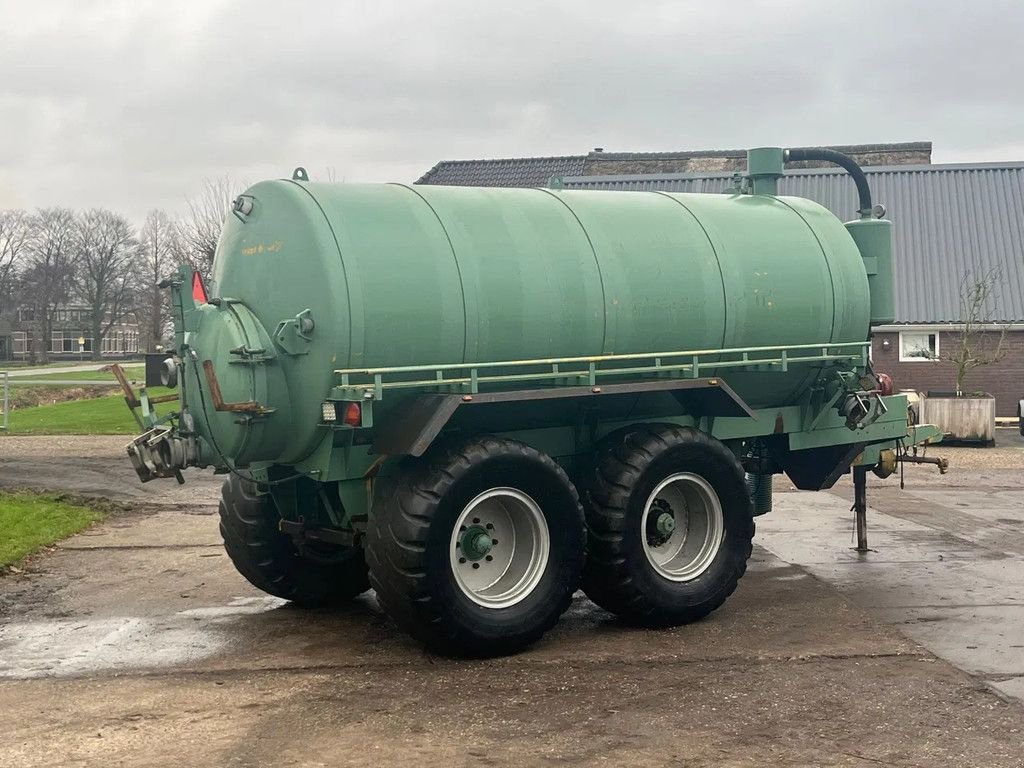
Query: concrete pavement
x,y
136,643
946,566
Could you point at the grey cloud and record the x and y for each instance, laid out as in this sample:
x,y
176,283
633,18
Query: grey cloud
x,y
132,105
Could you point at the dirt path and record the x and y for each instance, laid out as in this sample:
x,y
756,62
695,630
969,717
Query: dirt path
x,y
97,466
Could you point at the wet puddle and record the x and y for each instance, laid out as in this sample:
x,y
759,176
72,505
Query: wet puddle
x,y
68,647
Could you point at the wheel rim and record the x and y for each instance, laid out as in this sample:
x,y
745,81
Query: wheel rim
x,y
499,548
682,526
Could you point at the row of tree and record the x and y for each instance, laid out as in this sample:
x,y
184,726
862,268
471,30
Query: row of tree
x,y
98,259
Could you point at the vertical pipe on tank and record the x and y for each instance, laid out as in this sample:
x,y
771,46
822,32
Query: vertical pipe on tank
x,y
872,236
764,169
874,240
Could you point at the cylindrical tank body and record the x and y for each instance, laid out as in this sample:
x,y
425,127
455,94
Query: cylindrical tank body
x,y
405,275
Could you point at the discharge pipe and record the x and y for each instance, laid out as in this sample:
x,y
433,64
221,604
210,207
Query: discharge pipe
x,y
873,236
844,161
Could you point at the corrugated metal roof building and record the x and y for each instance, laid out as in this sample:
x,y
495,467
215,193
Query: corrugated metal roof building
x,y
949,220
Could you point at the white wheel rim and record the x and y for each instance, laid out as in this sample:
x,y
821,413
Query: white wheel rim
x,y
505,571
683,549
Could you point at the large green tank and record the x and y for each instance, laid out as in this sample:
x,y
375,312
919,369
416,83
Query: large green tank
x,y
477,401
400,275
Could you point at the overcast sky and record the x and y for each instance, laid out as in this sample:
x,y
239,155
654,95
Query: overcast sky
x,y
131,105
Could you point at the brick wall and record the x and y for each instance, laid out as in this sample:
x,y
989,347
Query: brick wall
x,y
613,165
625,163
1004,380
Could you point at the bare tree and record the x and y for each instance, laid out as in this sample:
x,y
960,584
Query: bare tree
x,y
15,233
49,262
159,250
977,344
200,230
106,264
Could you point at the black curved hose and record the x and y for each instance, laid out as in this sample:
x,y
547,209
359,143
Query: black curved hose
x,y
844,161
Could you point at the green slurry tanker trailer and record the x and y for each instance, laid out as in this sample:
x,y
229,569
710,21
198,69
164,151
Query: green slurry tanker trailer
x,y
476,401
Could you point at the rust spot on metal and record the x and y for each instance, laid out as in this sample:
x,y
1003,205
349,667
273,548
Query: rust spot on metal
x,y
370,476
780,426
129,393
247,406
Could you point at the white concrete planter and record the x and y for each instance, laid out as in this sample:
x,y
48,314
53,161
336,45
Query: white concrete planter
x,y
968,418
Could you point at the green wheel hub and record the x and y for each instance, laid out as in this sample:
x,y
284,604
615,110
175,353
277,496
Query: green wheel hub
x,y
475,543
666,523
499,547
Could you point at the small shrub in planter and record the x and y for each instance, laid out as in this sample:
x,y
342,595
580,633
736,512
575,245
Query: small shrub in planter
x,y
970,416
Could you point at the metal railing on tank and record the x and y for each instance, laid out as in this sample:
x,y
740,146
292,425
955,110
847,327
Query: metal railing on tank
x,y
576,371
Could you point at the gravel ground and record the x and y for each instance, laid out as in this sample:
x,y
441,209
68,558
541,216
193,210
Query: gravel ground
x,y
1010,457
97,466
92,446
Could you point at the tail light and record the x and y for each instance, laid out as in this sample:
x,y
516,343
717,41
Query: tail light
x,y
350,413
198,289
353,415
885,384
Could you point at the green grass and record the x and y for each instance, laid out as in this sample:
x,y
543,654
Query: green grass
x,y
30,521
96,416
134,373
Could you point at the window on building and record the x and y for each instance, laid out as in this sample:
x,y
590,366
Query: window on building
x,y
916,346
20,343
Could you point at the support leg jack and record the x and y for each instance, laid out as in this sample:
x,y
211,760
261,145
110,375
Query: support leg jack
x,y
860,507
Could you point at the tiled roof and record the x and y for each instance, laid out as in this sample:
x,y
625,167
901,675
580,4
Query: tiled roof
x,y
508,172
948,220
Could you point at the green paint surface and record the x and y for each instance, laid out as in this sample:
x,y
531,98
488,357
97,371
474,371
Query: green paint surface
x,y
396,275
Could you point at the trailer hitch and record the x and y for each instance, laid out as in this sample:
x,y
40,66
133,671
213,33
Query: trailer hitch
x,y
940,462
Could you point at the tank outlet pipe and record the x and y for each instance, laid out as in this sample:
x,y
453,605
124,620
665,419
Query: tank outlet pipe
x,y
872,235
843,161
764,169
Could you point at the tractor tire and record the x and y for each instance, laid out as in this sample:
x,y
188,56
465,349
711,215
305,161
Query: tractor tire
x,y
476,549
669,523
269,560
